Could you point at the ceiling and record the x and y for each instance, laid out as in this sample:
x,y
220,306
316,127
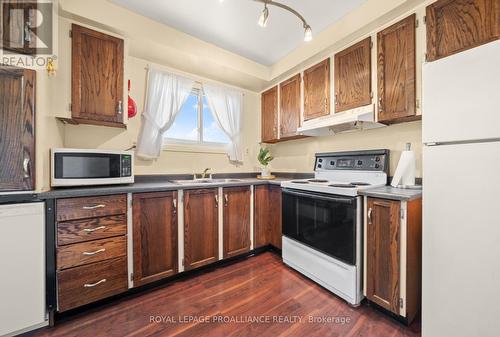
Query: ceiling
x,y
232,24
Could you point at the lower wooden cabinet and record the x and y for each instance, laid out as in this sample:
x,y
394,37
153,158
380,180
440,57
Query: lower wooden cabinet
x,y
236,215
393,250
201,236
155,236
267,216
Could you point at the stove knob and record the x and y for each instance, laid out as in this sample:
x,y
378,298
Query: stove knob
x,y
319,165
332,163
377,159
320,160
360,162
377,166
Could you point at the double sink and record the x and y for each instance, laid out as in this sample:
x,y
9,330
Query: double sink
x,y
205,181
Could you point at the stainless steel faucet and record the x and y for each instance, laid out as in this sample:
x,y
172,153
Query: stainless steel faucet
x,y
204,174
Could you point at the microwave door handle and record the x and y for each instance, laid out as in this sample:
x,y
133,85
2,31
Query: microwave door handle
x,y
320,197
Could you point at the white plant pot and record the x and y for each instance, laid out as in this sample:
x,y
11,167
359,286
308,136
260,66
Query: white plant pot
x,y
265,172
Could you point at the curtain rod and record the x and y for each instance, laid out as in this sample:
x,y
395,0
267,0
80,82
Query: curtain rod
x,y
148,67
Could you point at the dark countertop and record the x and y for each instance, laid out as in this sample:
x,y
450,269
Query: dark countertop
x,y
18,197
156,184
393,193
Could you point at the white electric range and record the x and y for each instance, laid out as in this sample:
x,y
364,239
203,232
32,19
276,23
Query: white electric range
x,y
323,223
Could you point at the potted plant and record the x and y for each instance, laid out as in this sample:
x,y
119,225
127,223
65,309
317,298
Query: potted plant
x,y
264,159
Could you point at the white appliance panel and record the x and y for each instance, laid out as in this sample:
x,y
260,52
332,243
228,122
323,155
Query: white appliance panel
x,y
461,240
461,96
22,262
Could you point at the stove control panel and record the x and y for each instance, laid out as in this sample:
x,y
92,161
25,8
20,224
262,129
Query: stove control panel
x,y
375,160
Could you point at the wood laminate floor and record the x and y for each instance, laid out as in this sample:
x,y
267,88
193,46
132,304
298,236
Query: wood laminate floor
x,y
258,296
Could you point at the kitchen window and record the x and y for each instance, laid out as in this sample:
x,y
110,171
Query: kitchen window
x,y
195,127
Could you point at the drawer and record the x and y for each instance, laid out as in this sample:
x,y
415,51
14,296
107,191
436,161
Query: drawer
x,y
91,229
90,207
89,252
86,284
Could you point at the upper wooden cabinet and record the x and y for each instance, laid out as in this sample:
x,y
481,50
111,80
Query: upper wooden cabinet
x,y
17,129
19,26
155,236
201,223
317,90
236,215
353,76
396,72
269,127
457,25
97,78
289,107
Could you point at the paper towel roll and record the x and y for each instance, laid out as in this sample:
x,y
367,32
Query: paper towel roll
x,y
405,172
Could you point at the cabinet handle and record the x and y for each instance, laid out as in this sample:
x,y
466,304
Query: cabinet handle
x,y
326,104
91,285
225,200
94,207
27,35
216,201
380,108
120,107
336,99
94,252
174,204
370,216
26,164
90,230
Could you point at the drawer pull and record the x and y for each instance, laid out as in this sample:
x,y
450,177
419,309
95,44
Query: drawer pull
x,y
90,230
91,285
95,252
94,207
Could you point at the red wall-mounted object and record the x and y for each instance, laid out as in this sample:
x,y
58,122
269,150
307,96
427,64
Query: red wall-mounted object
x,y
132,107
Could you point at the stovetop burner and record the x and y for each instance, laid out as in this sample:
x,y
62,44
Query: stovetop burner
x,y
300,182
318,180
343,185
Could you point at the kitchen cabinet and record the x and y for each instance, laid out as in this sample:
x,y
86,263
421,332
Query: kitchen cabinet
x,y
457,25
201,235
91,249
269,127
155,236
96,78
396,72
17,129
267,216
317,90
19,26
236,220
289,107
353,76
393,255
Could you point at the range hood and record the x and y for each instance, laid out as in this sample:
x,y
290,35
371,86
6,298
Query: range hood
x,y
361,118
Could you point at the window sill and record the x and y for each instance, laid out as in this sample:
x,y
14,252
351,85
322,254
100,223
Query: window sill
x,y
194,148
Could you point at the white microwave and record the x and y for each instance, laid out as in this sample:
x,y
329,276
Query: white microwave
x,y
83,167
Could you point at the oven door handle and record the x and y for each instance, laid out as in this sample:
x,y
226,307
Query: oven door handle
x,y
348,201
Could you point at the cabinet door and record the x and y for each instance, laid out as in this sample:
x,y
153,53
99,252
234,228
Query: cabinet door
x,y
236,217
201,244
97,78
275,215
457,25
17,129
353,76
383,259
270,115
155,236
261,233
396,72
290,107
19,22
317,90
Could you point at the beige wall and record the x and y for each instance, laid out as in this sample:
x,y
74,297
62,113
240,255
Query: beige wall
x,y
298,155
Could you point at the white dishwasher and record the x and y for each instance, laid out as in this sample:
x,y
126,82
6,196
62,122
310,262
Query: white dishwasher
x,y
22,268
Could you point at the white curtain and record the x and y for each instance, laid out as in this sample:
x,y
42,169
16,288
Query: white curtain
x,y
225,105
166,93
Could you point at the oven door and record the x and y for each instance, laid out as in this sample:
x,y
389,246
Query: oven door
x,y
323,222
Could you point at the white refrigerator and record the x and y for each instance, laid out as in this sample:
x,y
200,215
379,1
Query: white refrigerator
x,y
461,195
